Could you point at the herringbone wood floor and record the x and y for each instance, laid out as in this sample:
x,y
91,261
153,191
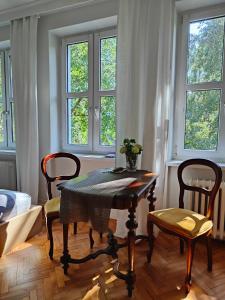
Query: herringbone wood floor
x,y
27,273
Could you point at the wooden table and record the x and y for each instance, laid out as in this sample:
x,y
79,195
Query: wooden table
x,y
126,199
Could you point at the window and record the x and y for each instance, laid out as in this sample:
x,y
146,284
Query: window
x,y
200,98
7,122
89,98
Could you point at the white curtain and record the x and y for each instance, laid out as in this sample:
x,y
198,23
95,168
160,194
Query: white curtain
x,y
24,75
145,89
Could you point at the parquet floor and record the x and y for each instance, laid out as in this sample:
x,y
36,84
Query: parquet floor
x,y
27,273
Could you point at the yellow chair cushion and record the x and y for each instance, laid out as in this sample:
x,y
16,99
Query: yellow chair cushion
x,y
52,205
181,221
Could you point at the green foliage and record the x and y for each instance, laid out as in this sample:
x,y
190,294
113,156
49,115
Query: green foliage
x,y
108,121
78,82
205,57
78,77
78,114
108,64
202,120
205,64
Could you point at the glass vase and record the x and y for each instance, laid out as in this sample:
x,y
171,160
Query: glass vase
x,y
131,162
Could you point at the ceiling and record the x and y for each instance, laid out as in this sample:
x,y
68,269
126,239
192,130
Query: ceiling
x,y
182,5
7,5
10,4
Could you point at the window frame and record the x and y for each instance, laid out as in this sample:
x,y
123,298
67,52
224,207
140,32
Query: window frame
x,y
98,93
7,98
94,93
66,95
179,153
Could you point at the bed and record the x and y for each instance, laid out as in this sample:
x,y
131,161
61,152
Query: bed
x,y
19,220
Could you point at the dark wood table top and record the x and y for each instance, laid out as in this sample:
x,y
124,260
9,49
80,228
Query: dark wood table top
x,y
121,199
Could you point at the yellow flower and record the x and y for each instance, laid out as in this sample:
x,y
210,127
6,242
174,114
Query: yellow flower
x,y
123,149
139,147
135,150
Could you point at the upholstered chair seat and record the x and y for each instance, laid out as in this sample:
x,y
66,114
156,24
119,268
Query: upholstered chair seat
x,y
182,221
186,224
52,206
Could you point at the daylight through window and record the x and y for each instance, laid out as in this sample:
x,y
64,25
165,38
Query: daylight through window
x,y
90,90
7,122
201,89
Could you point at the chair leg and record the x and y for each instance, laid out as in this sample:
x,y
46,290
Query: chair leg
x,y
190,254
100,234
91,238
150,241
75,228
209,252
181,246
50,236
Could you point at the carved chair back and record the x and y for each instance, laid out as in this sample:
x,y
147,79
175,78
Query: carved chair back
x,y
209,193
51,179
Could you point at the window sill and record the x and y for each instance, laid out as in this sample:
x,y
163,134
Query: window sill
x,y
176,163
94,156
7,155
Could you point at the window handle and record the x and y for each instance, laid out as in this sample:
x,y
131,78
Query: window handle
x,y
5,112
97,112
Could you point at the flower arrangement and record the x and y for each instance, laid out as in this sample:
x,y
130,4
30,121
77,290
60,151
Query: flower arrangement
x,y
131,149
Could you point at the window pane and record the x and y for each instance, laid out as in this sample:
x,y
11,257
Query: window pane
x,y
107,121
108,63
77,110
205,51
202,120
1,104
1,123
13,122
1,78
9,61
77,67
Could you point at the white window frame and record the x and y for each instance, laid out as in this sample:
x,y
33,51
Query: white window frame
x,y
65,43
7,95
94,93
98,93
182,87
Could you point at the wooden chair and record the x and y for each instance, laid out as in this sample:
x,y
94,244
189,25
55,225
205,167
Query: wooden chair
x,y
188,225
52,205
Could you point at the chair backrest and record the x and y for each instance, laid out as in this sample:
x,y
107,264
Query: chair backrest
x,y
50,179
209,193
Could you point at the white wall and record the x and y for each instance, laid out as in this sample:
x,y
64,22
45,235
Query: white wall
x,y
46,27
4,33
50,30
50,27
49,76
172,199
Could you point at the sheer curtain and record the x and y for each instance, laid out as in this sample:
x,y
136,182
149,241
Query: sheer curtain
x,y
145,89
24,75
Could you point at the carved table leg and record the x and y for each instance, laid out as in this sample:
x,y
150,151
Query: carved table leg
x,y
65,258
113,245
131,225
151,197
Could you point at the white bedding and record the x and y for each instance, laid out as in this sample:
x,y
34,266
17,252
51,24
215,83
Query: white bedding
x,y
13,203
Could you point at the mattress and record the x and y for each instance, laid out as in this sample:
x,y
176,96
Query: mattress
x,y
13,203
